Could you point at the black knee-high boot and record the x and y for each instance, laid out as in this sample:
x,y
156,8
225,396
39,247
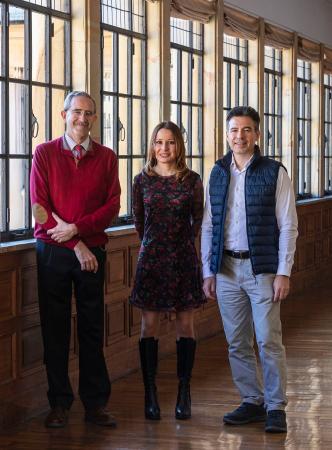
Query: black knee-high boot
x,y
186,354
148,348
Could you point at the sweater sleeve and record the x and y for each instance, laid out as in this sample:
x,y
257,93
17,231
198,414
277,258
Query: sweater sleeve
x,y
40,198
102,217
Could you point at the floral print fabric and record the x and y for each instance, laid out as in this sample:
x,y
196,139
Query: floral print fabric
x,y
168,215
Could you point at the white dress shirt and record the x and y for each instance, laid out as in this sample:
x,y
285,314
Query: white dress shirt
x,y
235,228
72,144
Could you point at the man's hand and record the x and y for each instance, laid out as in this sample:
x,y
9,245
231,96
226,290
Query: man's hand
x,y
86,258
280,287
63,231
209,287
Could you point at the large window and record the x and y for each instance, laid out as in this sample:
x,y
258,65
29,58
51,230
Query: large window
x,y
34,78
235,81
187,87
328,134
304,129
235,72
124,90
273,103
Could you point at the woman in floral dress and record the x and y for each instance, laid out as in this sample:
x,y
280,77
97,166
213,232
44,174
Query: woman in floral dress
x,y
168,211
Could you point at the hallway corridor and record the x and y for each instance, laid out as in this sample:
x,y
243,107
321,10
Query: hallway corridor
x,y
307,322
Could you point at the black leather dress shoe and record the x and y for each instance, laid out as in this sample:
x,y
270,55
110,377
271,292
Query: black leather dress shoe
x,y
100,416
57,417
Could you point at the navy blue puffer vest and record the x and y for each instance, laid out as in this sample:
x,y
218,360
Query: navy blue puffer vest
x,y
262,228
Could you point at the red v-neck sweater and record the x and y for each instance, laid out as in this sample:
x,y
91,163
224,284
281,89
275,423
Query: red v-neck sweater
x,y
86,193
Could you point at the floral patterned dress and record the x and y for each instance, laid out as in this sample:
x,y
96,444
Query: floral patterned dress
x,y
168,215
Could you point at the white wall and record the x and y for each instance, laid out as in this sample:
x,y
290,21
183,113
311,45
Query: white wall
x,y
310,18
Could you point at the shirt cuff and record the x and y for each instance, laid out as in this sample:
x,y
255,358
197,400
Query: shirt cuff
x,y
207,273
284,268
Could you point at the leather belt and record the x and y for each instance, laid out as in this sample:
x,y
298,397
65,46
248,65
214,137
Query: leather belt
x,y
237,255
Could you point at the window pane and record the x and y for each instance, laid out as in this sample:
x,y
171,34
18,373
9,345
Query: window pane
x,y
61,5
123,126
185,127
109,78
138,127
109,122
18,119
186,66
18,24
2,194
138,67
197,165
196,131
38,47
123,175
58,125
38,116
2,117
175,88
19,193
138,165
123,64
127,14
197,79
58,52
175,113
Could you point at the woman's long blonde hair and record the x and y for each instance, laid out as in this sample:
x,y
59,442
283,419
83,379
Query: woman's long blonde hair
x,y
182,169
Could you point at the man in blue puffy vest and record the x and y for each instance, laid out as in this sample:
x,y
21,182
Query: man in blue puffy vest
x,y
248,243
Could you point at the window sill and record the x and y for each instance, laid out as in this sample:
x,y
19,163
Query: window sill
x,y
314,200
15,246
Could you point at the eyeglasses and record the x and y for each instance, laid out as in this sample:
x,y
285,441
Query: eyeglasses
x,y
79,112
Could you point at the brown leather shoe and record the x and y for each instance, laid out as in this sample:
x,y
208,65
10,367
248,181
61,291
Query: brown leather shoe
x,y
57,417
100,416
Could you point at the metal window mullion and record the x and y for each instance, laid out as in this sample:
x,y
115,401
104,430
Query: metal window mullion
x,y
129,122
229,86
116,90
237,85
39,8
273,107
124,31
266,107
50,92
190,110
6,112
304,142
179,84
28,218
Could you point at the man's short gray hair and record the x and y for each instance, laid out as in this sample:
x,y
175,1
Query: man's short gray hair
x,y
73,94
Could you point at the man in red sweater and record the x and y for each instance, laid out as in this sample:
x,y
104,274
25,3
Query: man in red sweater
x,y
75,194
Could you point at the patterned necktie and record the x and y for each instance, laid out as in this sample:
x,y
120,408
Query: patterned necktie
x,y
78,151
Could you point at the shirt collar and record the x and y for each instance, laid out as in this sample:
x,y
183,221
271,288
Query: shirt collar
x,y
247,164
71,143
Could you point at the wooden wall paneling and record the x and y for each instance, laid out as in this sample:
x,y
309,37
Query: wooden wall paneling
x,y
8,289
29,288
116,316
8,352
116,270
32,352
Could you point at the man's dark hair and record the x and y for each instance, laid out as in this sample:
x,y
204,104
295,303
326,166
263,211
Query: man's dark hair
x,y
240,111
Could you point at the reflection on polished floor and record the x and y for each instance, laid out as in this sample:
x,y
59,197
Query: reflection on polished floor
x,y
307,322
